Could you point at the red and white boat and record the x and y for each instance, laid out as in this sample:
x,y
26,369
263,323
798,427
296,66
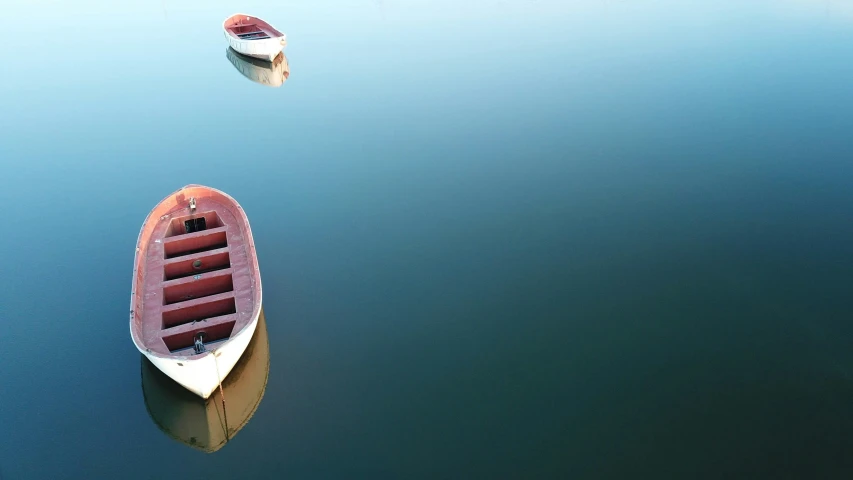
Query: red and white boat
x,y
196,293
253,37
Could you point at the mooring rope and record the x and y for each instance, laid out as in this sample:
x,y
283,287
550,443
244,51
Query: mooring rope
x,y
221,394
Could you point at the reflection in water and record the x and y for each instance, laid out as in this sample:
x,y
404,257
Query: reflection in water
x,y
272,74
201,424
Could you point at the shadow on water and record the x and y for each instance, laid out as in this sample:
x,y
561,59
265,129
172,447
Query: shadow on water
x,y
201,424
271,74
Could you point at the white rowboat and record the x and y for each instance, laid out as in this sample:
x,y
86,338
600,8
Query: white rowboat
x,y
196,293
253,37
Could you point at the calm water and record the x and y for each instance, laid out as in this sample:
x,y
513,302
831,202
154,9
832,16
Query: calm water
x,y
504,239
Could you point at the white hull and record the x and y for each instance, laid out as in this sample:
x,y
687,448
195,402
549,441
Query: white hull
x,y
266,49
201,374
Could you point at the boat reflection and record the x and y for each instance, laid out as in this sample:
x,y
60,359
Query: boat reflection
x,y
272,74
201,424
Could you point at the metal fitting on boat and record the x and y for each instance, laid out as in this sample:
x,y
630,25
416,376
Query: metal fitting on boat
x,y
198,346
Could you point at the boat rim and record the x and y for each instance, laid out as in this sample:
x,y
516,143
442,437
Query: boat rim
x,y
255,313
252,16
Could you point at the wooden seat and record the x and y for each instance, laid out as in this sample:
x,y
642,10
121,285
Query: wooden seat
x,y
253,36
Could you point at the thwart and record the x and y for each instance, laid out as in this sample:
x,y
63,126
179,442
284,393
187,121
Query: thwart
x,y
196,292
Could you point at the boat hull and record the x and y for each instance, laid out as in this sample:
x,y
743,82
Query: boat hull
x,y
202,374
203,424
266,49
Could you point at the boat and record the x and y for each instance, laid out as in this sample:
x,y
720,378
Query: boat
x,y
196,293
253,37
272,74
207,425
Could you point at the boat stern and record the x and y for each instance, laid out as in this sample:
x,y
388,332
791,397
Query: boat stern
x,y
203,374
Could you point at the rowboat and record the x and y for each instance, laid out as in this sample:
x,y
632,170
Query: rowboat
x,y
271,74
196,293
253,37
207,425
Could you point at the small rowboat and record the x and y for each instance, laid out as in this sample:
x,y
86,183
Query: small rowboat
x,y
253,37
271,74
196,293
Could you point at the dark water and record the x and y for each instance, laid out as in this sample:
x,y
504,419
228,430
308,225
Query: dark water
x,y
502,239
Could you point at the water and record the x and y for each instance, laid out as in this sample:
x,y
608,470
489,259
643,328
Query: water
x,y
504,239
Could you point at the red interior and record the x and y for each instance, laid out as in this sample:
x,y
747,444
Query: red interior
x,y
212,333
195,242
244,24
198,311
186,283
191,289
200,263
